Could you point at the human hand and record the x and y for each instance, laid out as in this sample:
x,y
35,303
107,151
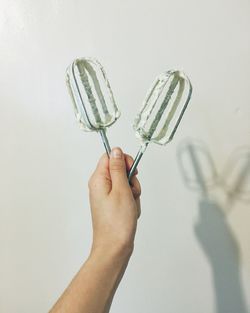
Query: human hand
x,y
115,204
219,245
115,208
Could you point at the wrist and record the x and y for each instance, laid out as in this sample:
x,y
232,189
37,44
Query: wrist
x,y
120,253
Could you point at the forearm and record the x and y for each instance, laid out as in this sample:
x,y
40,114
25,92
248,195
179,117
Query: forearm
x,y
93,288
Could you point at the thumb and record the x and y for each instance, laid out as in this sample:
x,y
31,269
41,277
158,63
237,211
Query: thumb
x,y
117,168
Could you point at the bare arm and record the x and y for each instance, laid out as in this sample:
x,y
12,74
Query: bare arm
x,y
115,208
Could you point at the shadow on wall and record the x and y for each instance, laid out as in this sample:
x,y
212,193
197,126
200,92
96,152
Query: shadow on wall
x,y
212,229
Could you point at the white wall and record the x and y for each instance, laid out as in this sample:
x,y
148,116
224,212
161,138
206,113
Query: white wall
x,y
192,246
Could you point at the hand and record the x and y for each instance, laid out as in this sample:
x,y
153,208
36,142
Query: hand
x,y
115,208
115,204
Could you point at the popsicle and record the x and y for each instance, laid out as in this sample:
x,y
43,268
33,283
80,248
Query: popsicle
x,y
92,97
162,111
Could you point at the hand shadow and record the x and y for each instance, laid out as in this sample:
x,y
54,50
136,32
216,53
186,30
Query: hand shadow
x,y
212,229
235,178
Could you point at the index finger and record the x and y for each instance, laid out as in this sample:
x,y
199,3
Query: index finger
x,y
129,162
100,178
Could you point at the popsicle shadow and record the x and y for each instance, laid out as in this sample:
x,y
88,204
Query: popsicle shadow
x,y
212,230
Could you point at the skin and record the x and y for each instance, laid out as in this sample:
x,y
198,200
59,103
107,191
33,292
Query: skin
x,y
115,209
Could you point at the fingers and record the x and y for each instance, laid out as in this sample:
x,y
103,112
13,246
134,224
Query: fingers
x,y
136,190
100,179
112,173
103,165
117,168
138,204
135,187
129,162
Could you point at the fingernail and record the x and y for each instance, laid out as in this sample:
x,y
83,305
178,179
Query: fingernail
x,y
116,153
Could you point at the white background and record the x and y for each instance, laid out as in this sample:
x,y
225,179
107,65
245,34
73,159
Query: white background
x,y
192,250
